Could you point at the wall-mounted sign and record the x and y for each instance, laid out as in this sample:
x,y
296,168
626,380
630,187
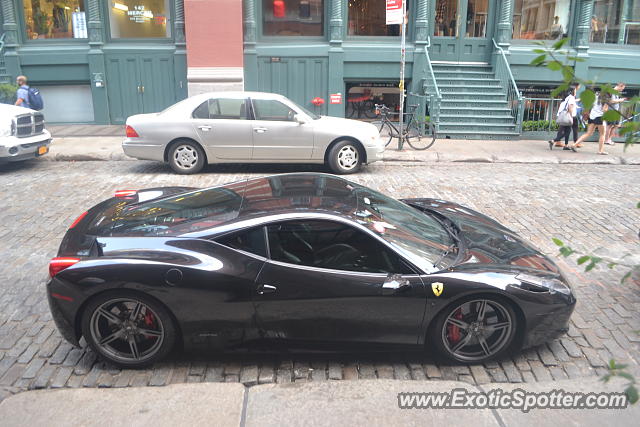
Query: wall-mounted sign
x,y
394,12
139,14
335,98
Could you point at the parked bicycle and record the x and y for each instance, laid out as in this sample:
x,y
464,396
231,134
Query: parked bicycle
x,y
419,134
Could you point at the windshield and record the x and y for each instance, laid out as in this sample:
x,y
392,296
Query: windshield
x,y
314,116
421,237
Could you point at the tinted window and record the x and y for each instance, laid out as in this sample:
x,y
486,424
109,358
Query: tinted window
x,y
249,241
184,213
266,109
222,108
331,245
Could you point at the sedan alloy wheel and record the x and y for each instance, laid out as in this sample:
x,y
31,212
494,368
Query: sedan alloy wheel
x,y
186,158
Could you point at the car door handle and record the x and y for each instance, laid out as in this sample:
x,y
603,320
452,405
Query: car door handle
x,y
205,128
260,130
266,289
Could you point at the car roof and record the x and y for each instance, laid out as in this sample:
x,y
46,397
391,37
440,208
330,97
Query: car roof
x,y
238,94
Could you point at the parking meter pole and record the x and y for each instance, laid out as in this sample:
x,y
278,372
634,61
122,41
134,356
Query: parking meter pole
x,y
402,63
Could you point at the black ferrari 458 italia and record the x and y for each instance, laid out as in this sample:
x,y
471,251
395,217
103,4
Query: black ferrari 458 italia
x,y
303,260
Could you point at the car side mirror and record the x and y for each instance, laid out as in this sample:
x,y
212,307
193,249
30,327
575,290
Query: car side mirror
x,y
300,119
395,283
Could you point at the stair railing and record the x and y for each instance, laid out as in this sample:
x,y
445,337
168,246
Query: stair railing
x,y
432,91
507,82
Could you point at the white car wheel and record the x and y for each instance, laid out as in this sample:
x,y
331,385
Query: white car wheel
x,y
345,157
186,158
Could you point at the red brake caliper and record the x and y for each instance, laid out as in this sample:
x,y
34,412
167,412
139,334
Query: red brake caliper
x,y
149,320
453,330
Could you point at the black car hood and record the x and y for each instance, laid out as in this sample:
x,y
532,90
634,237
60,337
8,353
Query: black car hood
x,y
486,241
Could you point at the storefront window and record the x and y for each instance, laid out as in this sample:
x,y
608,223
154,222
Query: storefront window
x,y
369,18
132,19
293,17
60,19
541,19
362,97
616,21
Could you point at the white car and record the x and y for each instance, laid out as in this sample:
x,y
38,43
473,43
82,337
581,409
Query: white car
x,y
249,127
22,134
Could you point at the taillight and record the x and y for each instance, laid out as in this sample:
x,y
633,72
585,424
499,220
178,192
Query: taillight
x,y
56,265
131,132
125,193
78,220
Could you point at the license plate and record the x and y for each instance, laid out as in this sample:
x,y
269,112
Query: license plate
x,y
43,150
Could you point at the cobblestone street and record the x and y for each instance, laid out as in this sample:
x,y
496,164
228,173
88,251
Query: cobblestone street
x,y
590,206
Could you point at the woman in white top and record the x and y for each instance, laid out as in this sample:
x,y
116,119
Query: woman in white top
x,y
570,105
595,120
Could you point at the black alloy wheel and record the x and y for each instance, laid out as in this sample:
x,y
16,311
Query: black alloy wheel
x,y
475,330
128,330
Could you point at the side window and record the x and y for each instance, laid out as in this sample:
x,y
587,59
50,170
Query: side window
x,y
331,245
202,112
267,109
252,241
222,108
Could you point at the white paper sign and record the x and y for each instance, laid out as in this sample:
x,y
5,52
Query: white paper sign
x,y
394,12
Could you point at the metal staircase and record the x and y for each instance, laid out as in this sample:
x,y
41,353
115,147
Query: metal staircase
x,y
478,101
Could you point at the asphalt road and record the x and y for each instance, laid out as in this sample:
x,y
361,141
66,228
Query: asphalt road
x,y
591,206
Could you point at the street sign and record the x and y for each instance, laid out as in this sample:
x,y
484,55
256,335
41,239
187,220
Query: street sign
x,y
394,12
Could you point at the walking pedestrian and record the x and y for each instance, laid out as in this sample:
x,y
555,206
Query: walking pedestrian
x,y
615,102
600,106
22,94
568,105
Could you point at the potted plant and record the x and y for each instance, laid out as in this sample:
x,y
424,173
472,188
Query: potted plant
x,y
41,23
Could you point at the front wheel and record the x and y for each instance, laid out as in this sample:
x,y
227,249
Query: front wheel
x,y
186,157
128,329
475,329
345,157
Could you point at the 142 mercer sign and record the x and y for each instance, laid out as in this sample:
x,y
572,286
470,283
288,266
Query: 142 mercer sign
x,y
394,12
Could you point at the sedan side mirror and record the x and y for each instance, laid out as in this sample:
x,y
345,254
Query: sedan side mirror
x,y
395,283
300,119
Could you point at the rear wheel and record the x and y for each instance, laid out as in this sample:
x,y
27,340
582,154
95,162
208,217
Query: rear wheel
x,y
345,157
475,329
186,157
128,329
419,140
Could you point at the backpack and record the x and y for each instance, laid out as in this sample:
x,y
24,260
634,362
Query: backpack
x,y
35,99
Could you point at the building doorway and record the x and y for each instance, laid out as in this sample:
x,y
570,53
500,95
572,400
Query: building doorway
x,y
462,30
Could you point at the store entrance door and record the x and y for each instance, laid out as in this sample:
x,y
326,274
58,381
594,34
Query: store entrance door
x,y
462,30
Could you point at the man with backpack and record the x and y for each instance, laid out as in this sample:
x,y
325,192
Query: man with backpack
x,y
28,97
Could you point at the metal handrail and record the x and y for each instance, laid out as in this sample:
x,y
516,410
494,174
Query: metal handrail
x,y
514,97
433,92
1,50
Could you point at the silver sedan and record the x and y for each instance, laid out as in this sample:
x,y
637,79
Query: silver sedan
x,y
249,127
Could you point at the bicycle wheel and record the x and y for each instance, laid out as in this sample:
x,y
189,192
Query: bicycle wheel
x,y
421,140
351,109
369,109
387,133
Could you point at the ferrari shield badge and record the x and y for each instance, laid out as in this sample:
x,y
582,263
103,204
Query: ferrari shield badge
x,y
437,288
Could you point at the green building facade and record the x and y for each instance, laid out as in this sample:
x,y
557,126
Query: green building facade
x,y
96,61
467,60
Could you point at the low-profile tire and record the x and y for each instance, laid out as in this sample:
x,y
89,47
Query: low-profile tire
x,y
186,157
461,334
345,157
128,329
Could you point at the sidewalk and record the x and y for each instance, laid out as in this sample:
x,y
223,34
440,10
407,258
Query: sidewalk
x,y
86,142
328,403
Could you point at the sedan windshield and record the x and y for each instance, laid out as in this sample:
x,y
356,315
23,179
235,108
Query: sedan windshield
x,y
419,236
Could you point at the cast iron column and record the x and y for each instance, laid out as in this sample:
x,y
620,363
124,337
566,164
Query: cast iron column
x,y
584,10
505,23
10,27
97,69
336,61
419,59
180,55
250,53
